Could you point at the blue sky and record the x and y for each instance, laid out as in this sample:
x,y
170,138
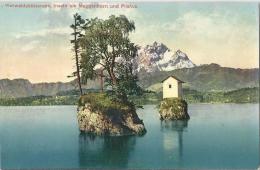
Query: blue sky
x,y
35,42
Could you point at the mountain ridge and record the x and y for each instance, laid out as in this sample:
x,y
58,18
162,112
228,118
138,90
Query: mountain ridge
x,y
158,57
207,77
21,87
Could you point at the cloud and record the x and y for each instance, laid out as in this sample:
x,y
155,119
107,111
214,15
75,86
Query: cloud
x,y
32,42
205,35
132,13
30,46
57,22
58,17
213,26
220,37
44,32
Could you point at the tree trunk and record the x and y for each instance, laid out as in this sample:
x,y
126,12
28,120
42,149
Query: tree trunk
x,y
77,58
101,81
113,77
78,74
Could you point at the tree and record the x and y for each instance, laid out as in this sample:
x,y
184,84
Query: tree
x,y
77,27
106,42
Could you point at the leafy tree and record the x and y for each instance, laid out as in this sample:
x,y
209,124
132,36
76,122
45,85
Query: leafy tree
x,y
106,42
77,27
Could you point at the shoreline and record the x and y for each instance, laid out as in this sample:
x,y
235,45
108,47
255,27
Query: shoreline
x,y
143,105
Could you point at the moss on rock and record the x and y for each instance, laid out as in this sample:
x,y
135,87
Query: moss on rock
x,y
173,109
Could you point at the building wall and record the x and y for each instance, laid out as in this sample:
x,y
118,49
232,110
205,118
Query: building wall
x,y
179,89
173,91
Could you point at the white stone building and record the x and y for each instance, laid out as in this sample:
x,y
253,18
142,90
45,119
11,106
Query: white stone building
x,y
172,87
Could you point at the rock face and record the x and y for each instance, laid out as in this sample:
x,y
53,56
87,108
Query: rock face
x,y
173,109
158,57
115,123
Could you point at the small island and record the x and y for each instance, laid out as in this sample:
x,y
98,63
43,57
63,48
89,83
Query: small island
x,y
104,52
173,107
99,114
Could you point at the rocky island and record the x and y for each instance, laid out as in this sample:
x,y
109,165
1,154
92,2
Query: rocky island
x,y
104,52
98,114
173,109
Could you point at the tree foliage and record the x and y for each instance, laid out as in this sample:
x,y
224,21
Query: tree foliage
x,y
107,43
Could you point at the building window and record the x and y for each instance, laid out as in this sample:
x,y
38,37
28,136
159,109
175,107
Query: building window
x,y
170,86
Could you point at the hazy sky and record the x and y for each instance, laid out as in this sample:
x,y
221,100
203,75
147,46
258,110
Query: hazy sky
x,y
35,42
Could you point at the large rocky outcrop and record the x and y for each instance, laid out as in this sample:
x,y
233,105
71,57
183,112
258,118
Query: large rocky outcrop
x,y
173,109
112,119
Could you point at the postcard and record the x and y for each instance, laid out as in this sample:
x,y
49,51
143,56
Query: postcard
x,y
129,85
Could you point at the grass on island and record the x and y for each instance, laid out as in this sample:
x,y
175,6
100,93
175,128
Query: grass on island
x,y
104,103
176,106
169,102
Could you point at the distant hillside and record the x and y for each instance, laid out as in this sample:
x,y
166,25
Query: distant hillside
x,y
24,88
202,78
245,95
210,77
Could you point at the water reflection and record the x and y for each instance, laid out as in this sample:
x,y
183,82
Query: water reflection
x,y
105,152
173,136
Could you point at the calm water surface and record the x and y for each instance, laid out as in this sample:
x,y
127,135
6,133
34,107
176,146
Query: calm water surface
x,y
216,136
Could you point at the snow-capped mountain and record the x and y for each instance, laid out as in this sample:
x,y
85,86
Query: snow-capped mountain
x,y
158,57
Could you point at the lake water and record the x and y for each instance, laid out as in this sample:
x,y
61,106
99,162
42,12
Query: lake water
x,y
216,136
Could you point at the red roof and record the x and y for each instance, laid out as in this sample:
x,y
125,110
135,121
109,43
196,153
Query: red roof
x,y
174,78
